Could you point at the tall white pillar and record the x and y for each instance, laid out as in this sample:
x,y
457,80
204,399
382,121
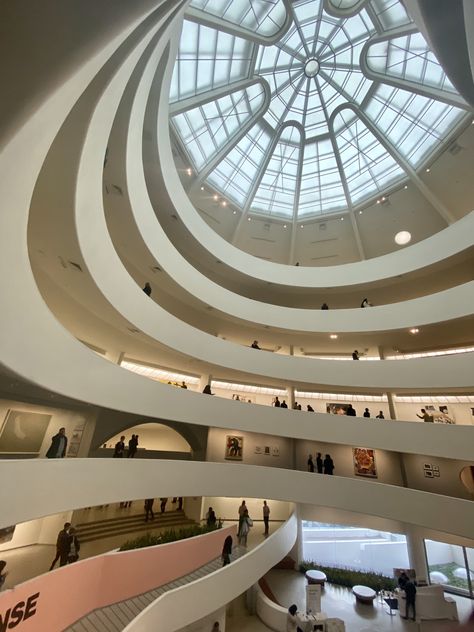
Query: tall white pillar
x,y
416,553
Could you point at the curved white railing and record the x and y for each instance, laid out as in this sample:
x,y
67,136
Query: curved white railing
x,y
105,481
438,247
208,594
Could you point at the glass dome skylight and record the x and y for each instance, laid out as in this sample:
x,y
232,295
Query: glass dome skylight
x,y
310,107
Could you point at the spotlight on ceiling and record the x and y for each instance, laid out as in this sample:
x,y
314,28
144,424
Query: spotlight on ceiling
x,y
402,238
333,336
414,330
284,225
216,197
428,170
202,188
249,219
224,203
302,226
406,186
342,219
189,171
234,212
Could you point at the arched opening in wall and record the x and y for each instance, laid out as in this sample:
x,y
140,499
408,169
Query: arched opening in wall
x,y
467,478
154,441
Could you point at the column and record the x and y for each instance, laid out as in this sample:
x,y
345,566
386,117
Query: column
x,y
115,356
391,403
203,380
416,553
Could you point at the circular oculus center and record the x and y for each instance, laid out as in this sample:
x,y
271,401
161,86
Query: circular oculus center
x,y
311,68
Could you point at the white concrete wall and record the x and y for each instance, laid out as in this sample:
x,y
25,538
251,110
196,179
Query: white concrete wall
x,y
153,437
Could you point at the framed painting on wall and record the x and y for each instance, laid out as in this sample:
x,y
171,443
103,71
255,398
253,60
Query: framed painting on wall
x,y
6,534
234,447
23,432
364,462
337,409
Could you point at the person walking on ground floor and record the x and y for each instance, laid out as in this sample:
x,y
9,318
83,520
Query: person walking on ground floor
x,y
149,509
410,592
266,517
74,546
62,546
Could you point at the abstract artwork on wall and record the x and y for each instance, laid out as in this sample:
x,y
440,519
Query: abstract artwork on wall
x,y
336,409
23,432
6,534
234,447
364,462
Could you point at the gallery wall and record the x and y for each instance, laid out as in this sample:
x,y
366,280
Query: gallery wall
x,y
257,449
227,508
27,429
153,437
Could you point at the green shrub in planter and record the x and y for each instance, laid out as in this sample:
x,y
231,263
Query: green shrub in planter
x,y
170,535
350,577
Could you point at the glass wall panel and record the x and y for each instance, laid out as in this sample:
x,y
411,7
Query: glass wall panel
x,y
447,565
354,547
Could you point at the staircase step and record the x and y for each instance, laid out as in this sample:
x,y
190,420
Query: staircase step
x,y
127,517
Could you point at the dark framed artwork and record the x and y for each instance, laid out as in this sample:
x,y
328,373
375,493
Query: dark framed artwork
x,y
234,447
337,409
6,534
364,462
23,432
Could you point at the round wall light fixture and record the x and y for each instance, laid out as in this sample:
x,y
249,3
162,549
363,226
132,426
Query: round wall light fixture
x,y
402,238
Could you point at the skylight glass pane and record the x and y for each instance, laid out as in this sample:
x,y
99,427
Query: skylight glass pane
x,y
368,167
311,71
206,128
207,59
391,13
276,192
236,172
417,124
408,57
265,17
321,186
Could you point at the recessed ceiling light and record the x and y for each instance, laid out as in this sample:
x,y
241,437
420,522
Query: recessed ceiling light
x,y
378,201
216,197
383,198
189,171
428,170
224,203
248,219
360,212
414,330
406,186
342,219
202,188
302,226
402,238
234,212
284,225
333,336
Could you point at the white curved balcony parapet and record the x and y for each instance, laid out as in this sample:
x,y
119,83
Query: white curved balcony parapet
x,y
442,306
448,242
208,594
81,483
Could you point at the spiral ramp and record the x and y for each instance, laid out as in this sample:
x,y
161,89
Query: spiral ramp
x,y
104,92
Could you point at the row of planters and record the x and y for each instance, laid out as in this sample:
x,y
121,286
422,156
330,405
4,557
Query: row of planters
x,y
349,577
170,535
